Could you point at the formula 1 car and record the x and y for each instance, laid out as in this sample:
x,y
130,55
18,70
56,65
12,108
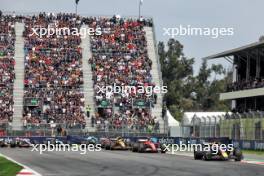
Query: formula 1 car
x,y
91,140
17,142
104,141
116,144
8,142
213,151
24,143
147,145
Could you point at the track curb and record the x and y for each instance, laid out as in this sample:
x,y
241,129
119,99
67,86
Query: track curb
x,y
25,171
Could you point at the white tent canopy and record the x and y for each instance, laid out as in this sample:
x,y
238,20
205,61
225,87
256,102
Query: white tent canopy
x,y
171,120
173,125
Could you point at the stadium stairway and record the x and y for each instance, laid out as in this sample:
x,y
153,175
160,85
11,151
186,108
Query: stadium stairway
x,y
17,123
87,77
157,110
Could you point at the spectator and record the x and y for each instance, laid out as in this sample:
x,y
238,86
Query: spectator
x,y
243,84
88,109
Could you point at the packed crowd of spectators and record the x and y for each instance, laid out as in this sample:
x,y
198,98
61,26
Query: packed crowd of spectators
x,y
128,122
53,82
243,85
53,72
119,58
7,63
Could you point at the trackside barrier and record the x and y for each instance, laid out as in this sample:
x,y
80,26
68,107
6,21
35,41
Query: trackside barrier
x,y
242,144
161,139
76,139
251,145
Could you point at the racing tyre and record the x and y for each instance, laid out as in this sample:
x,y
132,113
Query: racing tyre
x,y
107,147
2,144
111,146
238,154
141,148
134,148
206,156
197,157
163,149
12,144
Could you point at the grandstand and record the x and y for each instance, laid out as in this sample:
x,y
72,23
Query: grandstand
x,y
246,93
57,76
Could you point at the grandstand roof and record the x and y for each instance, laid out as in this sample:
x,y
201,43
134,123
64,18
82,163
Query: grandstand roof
x,y
236,50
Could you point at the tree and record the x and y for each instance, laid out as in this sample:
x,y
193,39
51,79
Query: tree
x,y
218,70
208,91
261,38
187,92
177,70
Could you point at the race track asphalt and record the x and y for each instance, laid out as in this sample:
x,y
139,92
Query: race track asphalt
x,y
122,163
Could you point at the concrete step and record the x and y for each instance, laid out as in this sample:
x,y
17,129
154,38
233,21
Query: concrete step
x,y
157,110
88,82
19,81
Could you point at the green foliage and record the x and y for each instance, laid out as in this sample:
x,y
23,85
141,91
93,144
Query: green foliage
x,y
187,92
254,152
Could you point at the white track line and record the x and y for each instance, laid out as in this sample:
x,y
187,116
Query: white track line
x,y
243,161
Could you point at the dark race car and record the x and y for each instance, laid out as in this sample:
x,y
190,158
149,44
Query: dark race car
x,y
148,145
3,143
10,142
118,143
213,151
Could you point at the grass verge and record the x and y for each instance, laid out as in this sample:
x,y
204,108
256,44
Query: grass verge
x,y
8,168
256,152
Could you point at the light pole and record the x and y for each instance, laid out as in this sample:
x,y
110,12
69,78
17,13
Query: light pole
x,y
139,8
76,4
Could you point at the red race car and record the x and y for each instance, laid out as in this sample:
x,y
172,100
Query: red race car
x,y
104,142
147,145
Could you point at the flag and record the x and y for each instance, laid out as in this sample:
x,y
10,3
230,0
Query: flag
x,y
77,1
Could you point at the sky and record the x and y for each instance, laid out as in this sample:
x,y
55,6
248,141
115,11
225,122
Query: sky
x,y
244,16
